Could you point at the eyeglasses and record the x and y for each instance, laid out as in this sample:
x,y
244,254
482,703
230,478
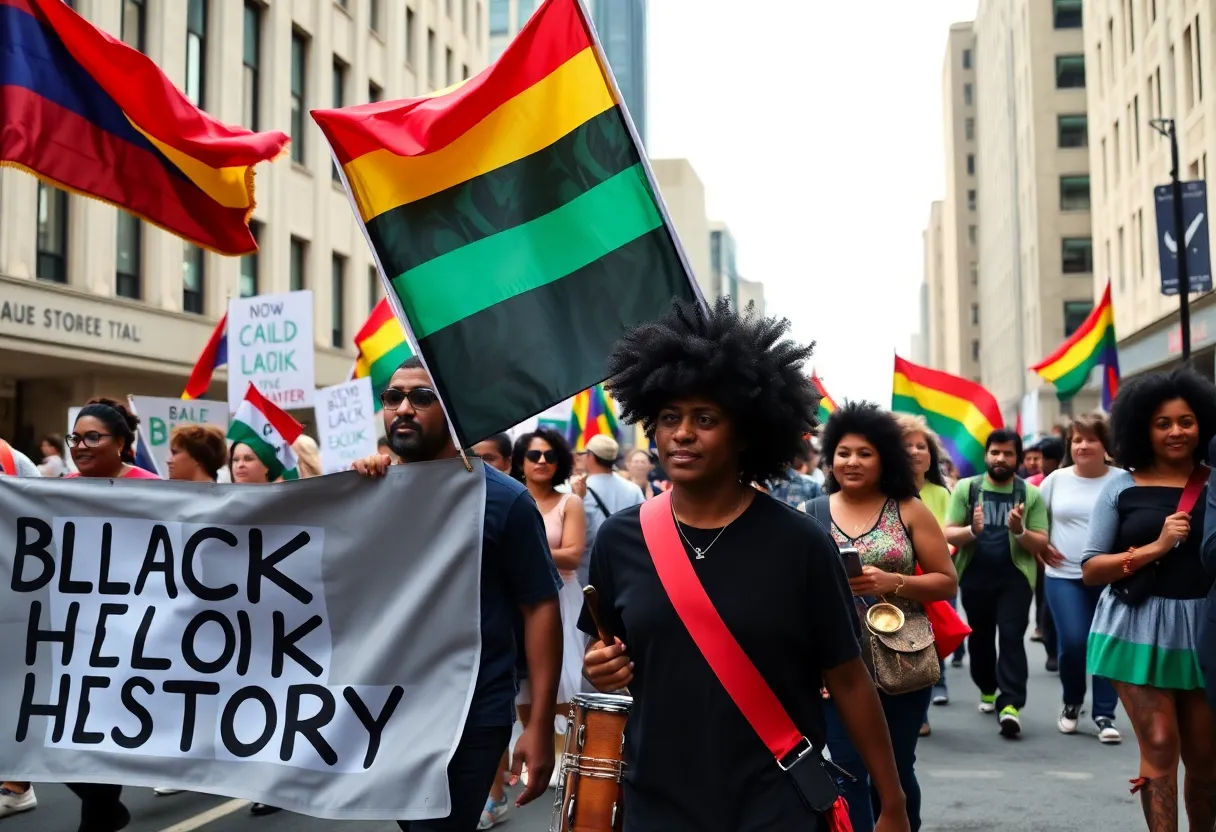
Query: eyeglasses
x,y
536,456
91,439
420,398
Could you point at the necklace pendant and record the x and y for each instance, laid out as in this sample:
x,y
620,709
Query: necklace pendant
x,y
700,555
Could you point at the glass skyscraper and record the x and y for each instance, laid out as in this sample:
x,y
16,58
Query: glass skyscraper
x,y
621,25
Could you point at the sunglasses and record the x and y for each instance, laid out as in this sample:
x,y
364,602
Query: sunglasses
x,y
420,398
534,457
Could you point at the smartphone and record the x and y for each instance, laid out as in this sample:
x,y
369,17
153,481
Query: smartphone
x,y
852,561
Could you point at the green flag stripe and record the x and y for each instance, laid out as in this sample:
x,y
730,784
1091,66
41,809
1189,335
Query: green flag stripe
x,y
267,453
1069,384
412,234
629,286
945,427
461,283
382,370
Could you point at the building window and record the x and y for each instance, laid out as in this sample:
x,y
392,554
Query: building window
x,y
1070,72
339,84
969,129
196,51
338,298
464,17
447,7
409,35
1136,121
975,349
126,262
1077,255
966,59
975,274
967,96
524,11
500,17
374,92
192,279
1075,313
344,3
971,164
464,72
1074,193
299,256
249,265
971,200
374,20
449,67
299,74
52,234
975,314
1198,60
1140,239
481,35
132,23
252,60
432,59
373,288
1073,130
1067,14
971,234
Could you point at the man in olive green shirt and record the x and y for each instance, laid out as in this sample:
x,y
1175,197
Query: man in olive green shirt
x,y
998,523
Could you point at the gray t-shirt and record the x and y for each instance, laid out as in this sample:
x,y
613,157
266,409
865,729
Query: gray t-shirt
x,y
25,466
617,494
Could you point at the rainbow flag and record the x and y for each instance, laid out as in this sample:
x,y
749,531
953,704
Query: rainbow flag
x,y
214,356
382,347
591,414
514,216
961,412
91,115
827,405
1092,345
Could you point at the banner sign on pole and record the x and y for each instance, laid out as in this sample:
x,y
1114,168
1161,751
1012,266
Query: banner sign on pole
x,y
346,424
159,416
270,342
1195,237
262,646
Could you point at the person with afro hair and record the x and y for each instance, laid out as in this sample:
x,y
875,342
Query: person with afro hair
x,y
726,398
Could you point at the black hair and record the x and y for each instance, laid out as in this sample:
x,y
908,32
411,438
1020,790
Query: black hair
x,y
411,363
1051,447
934,474
565,458
740,361
1132,413
502,443
1002,435
119,421
879,428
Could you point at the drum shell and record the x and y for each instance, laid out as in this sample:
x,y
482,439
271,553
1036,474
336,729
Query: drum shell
x,y
589,789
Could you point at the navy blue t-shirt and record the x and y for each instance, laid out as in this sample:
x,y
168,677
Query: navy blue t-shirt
x,y
516,569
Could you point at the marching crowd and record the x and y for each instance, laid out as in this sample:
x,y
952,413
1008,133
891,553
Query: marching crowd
x,y
1104,523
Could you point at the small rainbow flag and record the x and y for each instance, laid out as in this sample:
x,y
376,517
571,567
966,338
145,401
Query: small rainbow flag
x,y
827,405
382,347
1093,344
961,412
214,356
590,415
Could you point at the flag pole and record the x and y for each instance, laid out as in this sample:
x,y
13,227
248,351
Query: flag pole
x,y
395,302
606,69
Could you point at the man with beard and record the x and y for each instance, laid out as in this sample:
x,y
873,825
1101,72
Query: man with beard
x,y
998,522
518,580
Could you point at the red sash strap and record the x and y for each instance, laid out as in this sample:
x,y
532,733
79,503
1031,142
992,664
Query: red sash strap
x,y
8,463
1194,486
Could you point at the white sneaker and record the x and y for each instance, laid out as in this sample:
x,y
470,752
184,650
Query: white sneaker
x,y
987,707
1069,718
165,792
1107,732
493,814
14,803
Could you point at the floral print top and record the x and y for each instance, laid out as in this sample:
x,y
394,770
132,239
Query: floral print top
x,y
886,546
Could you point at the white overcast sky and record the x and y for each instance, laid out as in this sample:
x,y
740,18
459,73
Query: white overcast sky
x,y
816,128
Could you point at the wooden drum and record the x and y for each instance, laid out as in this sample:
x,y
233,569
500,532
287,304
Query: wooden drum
x,y
589,773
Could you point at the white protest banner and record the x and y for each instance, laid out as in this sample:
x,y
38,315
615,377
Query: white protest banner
x,y
346,424
270,342
159,416
280,644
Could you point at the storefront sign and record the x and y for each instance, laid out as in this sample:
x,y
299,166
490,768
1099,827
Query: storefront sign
x,y
159,416
270,343
346,424
61,317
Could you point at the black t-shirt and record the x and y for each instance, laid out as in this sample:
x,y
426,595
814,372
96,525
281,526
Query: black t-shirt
x,y
1142,513
694,762
992,563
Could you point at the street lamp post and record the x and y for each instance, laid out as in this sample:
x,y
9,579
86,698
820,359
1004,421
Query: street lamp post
x,y
1168,128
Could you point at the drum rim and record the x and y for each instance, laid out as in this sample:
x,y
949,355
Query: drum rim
x,y
602,701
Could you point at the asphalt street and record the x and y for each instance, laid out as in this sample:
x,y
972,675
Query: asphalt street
x,y
973,781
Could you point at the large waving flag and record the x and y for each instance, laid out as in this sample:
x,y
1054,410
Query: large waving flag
x,y
382,347
591,414
515,219
213,356
961,412
1092,345
269,432
827,405
90,114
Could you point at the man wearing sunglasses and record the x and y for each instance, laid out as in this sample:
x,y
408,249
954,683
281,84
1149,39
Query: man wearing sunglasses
x,y
518,582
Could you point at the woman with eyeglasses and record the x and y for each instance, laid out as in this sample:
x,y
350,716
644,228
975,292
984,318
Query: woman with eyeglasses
x,y
542,461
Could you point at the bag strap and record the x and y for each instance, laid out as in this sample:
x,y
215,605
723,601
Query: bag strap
x,y
821,509
738,675
8,463
599,502
1194,485
973,489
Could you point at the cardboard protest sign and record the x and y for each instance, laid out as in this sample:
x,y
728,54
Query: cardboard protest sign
x,y
159,416
270,342
346,423
285,643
